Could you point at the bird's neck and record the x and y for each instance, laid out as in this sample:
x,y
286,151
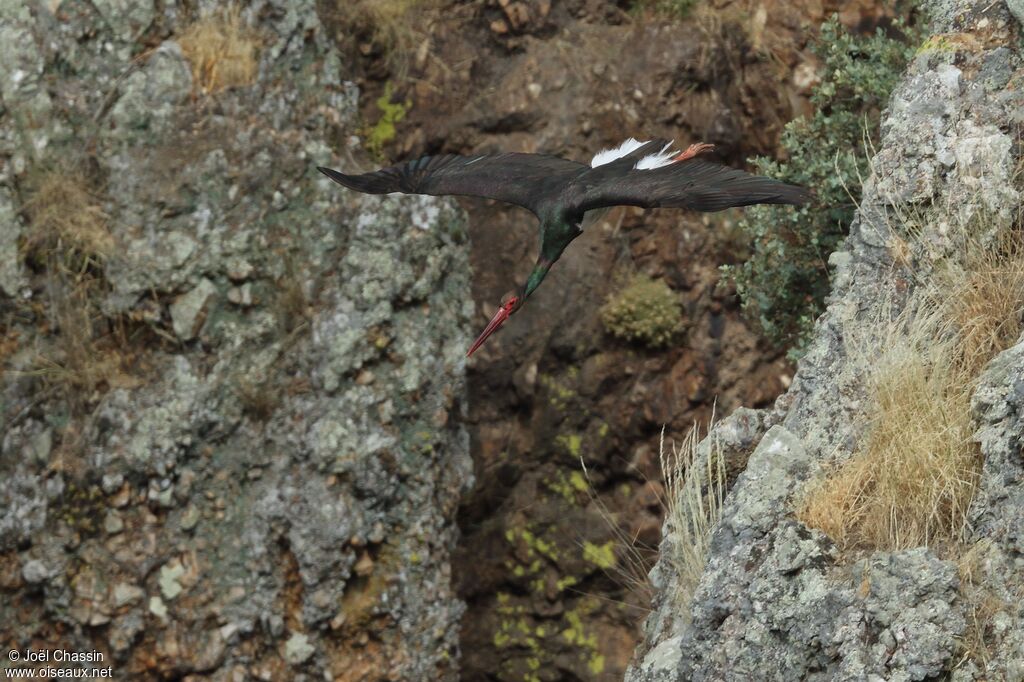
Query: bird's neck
x,y
537,275
556,234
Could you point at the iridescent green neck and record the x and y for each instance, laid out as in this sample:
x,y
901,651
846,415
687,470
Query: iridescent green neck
x,y
537,275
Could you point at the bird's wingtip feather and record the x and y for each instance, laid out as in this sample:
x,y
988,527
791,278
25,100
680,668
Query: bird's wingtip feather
x,y
379,182
801,195
331,173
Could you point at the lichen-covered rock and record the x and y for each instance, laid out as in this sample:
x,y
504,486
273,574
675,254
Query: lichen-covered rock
x,y
12,277
1016,8
266,487
189,312
151,94
22,64
997,514
773,601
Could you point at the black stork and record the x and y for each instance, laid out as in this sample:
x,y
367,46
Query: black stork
x,y
560,192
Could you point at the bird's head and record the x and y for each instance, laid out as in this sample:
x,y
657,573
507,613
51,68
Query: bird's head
x,y
510,303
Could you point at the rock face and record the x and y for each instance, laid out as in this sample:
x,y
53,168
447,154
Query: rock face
x,y
774,600
266,486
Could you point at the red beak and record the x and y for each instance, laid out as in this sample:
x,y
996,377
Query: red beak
x,y
492,326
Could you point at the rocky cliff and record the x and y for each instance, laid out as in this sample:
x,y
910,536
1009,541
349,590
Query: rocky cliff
x,y
234,416
778,599
231,441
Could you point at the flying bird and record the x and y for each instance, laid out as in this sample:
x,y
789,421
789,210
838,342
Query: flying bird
x,y
560,192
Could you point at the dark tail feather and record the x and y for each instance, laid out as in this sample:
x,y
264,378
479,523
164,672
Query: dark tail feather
x,y
379,182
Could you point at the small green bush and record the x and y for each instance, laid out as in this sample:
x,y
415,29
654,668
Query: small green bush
x,y
782,286
646,311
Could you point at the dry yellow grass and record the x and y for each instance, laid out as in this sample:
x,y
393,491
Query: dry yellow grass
x,y
631,560
694,495
389,13
67,236
221,49
915,474
739,27
395,27
65,219
984,298
76,363
692,500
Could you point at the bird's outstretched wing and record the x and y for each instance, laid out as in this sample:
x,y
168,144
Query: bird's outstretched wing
x,y
525,180
694,184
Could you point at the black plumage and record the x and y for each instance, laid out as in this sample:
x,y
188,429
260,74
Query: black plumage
x,y
560,192
525,180
536,180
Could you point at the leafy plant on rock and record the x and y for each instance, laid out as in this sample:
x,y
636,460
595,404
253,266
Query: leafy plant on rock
x,y
783,284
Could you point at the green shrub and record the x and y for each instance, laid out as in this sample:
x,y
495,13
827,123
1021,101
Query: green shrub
x,y
646,311
782,286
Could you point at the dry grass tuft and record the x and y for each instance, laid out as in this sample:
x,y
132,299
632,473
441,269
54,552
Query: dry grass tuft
x,y
736,29
391,27
65,221
674,9
633,559
390,13
258,398
692,499
695,488
915,475
67,237
917,470
984,298
78,364
291,304
221,49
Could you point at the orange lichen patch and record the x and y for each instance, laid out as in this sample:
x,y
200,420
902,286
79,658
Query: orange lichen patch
x,y
221,49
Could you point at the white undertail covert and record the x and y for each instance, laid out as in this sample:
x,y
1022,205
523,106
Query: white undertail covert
x,y
656,160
